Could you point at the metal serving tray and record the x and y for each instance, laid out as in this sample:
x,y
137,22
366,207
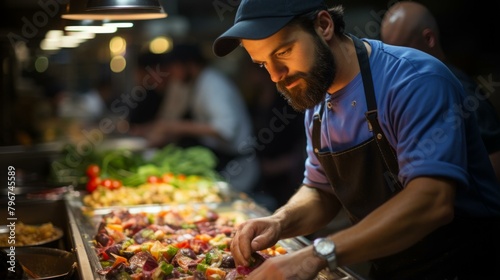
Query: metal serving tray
x,y
83,223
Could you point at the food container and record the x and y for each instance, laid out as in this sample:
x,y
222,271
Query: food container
x,y
37,212
84,222
51,239
45,263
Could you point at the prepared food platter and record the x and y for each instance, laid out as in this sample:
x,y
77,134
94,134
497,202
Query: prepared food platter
x,y
172,175
185,241
193,189
26,235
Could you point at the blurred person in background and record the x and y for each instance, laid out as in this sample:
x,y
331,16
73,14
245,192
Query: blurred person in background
x,y
411,24
212,114
104,88
150,88
86,107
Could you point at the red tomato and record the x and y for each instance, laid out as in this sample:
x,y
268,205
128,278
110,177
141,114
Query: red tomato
x,y
182,244
116,184
92,184
108,183
154,179
93,170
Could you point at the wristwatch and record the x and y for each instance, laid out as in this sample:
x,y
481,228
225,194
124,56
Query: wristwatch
x,y
325,248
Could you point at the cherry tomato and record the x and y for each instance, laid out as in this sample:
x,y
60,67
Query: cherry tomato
x,y
93,170
107,183
154,179
116,184
93,183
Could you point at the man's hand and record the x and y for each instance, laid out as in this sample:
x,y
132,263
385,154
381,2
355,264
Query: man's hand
x,y
300,265
254,235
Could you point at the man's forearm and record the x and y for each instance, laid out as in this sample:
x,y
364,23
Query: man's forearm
x,y
424,205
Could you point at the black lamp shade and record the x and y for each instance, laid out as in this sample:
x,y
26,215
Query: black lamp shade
x,y
96,5
114,10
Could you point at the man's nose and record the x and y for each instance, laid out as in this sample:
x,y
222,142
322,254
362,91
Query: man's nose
x,y
277,71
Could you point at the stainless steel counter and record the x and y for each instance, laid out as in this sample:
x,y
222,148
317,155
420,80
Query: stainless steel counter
x,y
83,223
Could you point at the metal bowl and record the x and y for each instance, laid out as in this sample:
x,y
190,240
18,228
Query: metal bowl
x,y
45,263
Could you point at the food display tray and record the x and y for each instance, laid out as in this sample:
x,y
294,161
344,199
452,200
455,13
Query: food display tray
x,y
84,221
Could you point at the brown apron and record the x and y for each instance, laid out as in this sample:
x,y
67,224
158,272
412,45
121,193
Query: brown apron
x,y
365,176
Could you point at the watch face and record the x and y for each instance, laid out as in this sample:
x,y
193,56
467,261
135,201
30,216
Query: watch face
x,y
325,247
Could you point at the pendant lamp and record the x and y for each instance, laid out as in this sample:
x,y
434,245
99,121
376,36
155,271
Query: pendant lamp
x,y
99,5
114,10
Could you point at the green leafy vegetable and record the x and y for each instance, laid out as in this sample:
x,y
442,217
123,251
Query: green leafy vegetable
x,y
133,168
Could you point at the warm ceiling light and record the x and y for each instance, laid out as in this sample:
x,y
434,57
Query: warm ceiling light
x,y
91,29
119,24
120,10
91,26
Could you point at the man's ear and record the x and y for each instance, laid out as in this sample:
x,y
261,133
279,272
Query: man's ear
x,y
324,25
429,37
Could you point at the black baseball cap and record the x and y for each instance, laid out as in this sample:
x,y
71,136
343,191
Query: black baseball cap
x,y
259,19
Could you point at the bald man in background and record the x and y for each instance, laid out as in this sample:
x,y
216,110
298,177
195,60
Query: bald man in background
x,y
412,25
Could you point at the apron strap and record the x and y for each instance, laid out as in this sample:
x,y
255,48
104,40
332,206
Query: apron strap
x,y
366,74
386,150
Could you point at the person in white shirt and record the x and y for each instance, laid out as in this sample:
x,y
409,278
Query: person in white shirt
x,y
213,115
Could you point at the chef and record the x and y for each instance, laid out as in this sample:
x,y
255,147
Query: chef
x,y
387,141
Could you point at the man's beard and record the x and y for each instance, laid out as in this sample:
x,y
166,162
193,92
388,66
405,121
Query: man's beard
x,y
317,81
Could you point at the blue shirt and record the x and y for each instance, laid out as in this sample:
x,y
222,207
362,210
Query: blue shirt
x,y
421,112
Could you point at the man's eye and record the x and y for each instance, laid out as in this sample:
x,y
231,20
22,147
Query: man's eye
x,y
262,65
283,52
